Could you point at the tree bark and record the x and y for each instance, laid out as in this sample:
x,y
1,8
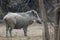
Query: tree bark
x,y
58,35
44,17
56,28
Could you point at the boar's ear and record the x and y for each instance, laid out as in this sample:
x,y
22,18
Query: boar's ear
x,y
33,13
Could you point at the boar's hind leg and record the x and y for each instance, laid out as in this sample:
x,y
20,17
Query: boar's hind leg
x,y
10,29
7,28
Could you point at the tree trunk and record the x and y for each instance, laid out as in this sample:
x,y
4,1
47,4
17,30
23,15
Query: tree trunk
x,y
44,17
58,35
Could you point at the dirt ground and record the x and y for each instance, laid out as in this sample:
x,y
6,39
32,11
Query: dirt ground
x,y
35,32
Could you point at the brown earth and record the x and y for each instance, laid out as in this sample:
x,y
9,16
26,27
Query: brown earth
x,y
35,32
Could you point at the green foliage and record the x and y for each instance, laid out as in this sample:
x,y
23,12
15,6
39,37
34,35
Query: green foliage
x,y
17,6
1,13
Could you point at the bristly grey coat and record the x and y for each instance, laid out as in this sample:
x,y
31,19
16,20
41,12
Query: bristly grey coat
x,y
20,20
